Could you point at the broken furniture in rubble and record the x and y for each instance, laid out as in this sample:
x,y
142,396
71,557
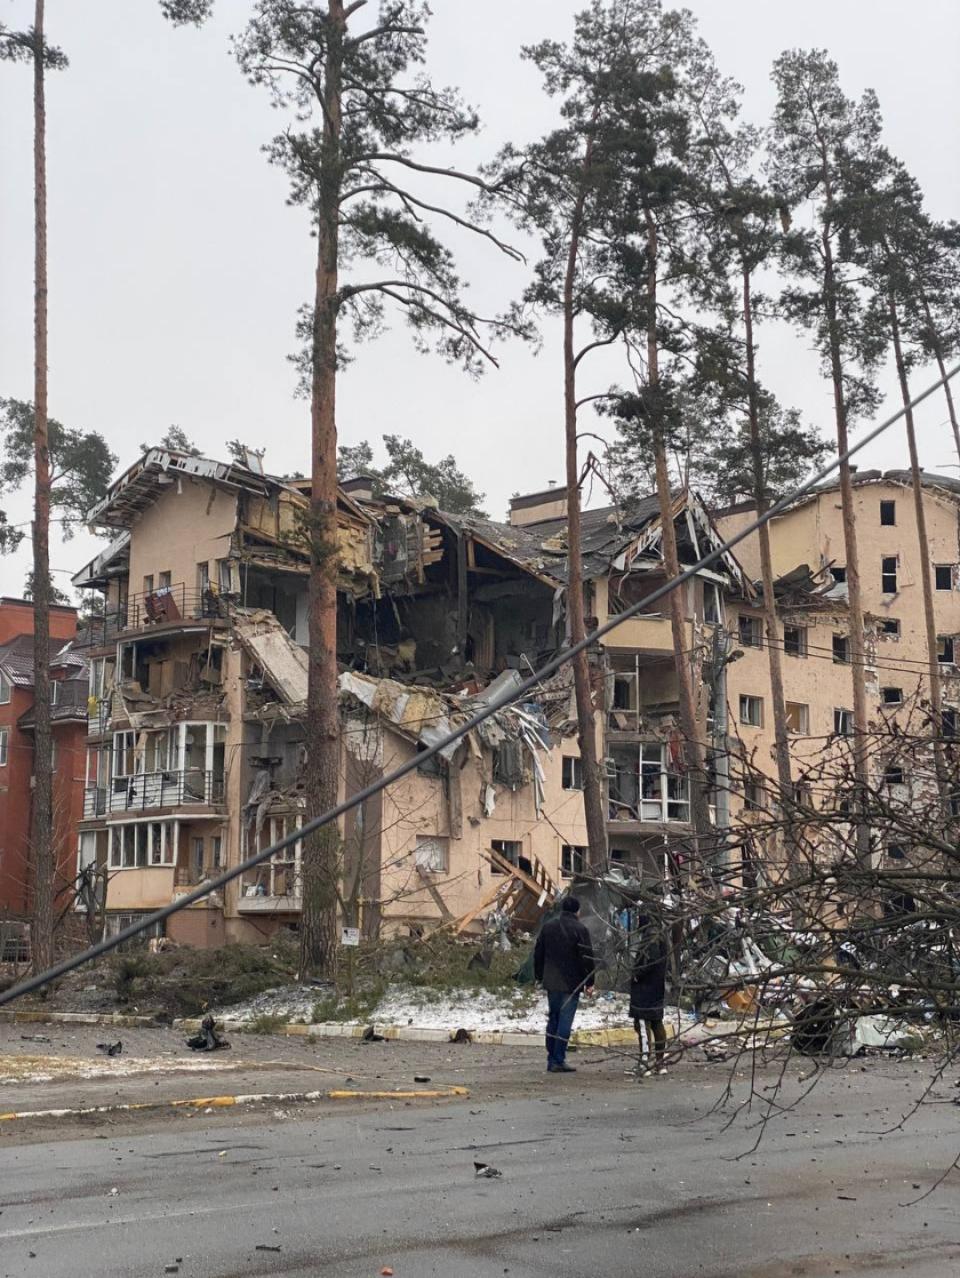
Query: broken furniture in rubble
x,y
522,896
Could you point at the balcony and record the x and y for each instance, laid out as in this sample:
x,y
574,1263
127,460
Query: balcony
x,y
151,790
648,633
165,607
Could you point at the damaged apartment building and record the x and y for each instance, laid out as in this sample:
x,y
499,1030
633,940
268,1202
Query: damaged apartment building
x,y
198,680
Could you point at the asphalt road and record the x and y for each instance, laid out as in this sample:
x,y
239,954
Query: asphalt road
x,y
596,1180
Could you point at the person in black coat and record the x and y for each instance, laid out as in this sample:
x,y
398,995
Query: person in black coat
x,y
648,984
564,964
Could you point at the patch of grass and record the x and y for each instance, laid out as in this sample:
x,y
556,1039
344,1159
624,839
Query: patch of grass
x,y
266,1024
187,982
356,1007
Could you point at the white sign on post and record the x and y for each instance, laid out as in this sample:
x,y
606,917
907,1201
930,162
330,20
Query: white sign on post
x,y
350,936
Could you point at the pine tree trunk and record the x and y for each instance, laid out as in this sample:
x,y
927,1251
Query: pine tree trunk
x,y
586,711
923,547
683,657
321,851
781,738
41,832
856,638
941,365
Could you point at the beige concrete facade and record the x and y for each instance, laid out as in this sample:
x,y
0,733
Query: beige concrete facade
x,y
817,678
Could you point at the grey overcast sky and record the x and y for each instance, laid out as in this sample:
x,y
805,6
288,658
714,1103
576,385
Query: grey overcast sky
x,y
176,267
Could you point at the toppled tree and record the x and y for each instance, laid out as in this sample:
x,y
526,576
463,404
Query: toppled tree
x,y
409,474
360,107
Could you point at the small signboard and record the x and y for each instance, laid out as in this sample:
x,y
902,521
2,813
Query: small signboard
x,y
350,936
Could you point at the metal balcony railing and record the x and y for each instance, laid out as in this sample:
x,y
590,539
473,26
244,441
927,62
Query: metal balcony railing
x,y
156,607
148,790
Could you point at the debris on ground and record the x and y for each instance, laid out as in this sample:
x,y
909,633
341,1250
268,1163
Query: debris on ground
x,y
421,1078
485,1171
110,1049
207,1039
370,1035
464,1036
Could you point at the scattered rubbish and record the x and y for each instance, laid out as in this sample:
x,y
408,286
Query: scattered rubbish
x,y
370,1035
464,1036
110,1049
207,1039
845,1198
485,1171
222,1154
171,1269
113,1192
34,1038
386,1272
267,1247
421,1078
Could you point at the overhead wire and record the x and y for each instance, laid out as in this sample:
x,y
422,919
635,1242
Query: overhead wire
x,y
457,733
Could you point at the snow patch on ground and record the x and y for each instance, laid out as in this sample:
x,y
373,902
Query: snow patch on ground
x,y
47,1069
522,1010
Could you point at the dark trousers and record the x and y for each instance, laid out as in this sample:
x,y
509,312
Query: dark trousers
x,y
656,1033
562,1009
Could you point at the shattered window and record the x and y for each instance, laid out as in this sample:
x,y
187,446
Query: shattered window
x,y
572,772
798,717
509,849
841,650
843,722
573,860
431,854
750,631
751,711
945,650
795,641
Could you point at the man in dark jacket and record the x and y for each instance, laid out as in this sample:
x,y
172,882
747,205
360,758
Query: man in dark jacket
x,y
564,965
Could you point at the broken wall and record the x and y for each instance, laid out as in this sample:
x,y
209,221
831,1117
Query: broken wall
x,y
193,522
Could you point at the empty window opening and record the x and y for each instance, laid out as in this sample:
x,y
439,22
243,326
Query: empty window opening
x,y
572,772
750,631
795,641
751,711
798,717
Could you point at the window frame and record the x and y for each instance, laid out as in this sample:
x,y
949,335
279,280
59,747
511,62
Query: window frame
x,y
889,574
573,859
499,845
6,688
890,627
891,701
802,645
946,643
841,656
4,746
571,769
432,843
747,700
950,570
839,730
751,635
888,506
803,730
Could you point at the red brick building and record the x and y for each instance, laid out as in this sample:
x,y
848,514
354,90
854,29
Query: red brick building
x,y
68,671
